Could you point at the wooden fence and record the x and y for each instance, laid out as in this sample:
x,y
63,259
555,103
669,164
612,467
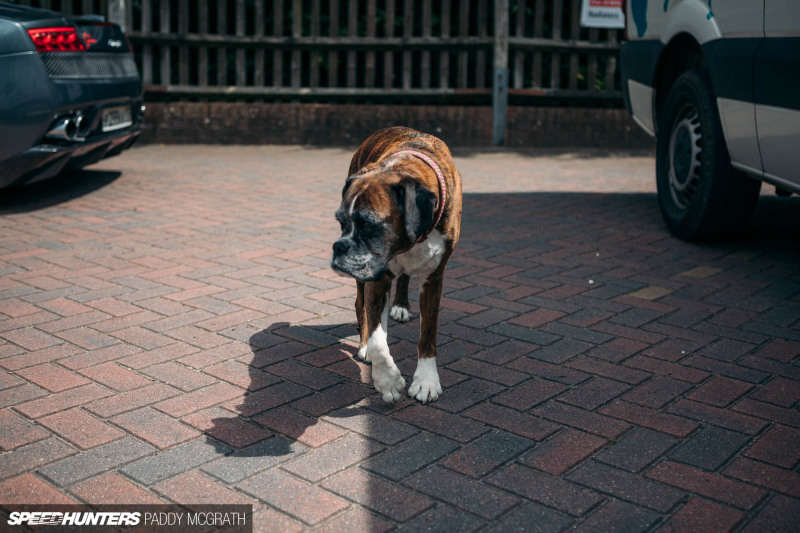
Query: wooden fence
x,y
441,51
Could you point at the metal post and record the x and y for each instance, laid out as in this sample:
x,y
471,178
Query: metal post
x,y
118,13
500,78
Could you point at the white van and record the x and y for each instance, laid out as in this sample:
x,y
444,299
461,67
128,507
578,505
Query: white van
x,y
718,85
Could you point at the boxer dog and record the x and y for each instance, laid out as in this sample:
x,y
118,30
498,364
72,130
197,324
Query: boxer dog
x,y
400,215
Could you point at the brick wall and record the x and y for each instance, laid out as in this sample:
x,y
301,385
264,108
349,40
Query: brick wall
x,y
349,124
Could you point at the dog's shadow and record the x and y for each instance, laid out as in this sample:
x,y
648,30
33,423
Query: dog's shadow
x,y
298,376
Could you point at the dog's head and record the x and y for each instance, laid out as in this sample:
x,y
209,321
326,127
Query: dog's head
x,y
385,208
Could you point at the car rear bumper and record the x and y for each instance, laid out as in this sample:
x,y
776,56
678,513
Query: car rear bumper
x,y
47,160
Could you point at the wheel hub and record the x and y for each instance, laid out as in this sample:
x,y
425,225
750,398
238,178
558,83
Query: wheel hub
x,y
685,148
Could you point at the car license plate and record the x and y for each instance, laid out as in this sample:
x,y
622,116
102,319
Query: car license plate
x,y
116,118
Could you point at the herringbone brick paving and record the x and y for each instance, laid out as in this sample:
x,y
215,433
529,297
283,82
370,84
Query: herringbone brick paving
x,y
174,334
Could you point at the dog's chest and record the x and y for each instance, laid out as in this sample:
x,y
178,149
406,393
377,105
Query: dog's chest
x,y
422,259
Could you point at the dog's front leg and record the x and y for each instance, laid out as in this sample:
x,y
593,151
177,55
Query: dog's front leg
x,y
426,387
385,374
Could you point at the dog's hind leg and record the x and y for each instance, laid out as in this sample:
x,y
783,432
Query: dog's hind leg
x,y
400,308
361,315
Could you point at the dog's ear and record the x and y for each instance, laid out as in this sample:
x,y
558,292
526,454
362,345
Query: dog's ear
x,y
417,204
350,180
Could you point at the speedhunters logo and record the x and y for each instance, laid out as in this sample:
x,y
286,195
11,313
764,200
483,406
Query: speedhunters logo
x,y
232,518
44,518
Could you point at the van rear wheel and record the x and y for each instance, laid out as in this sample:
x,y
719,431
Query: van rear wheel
x,y
700,195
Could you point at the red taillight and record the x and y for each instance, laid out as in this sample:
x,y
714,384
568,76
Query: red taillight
x,y
64,39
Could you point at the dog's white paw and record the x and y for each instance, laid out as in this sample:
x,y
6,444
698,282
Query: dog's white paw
x,y
363,354
425,387
388,381
400,314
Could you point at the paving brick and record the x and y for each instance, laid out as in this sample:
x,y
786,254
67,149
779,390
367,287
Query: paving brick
x,y
619,516
227,427
529,394
780,391
720,417
179,376
626,486
128,401
582,419
52,377
512,421
297,426
182,458
781,513
443,518
31,339
609,370
155,428
466,394
297,498
27,489
532,517
33,456
593,393
369,424
651,419
765,475
356,519
15,431
707,484
442,423
719,391
62,400
95,461
81,428
666,368
544,370
656,392
637,449
700,514
563,451
113,489
491,372
388,499
731,370
305,375
710,448
406,458
553,492
249,461
197,489
462,492
332,399
789,417
778,446
38,357
241,375
116,377
332,458
199,399
95,357
486,454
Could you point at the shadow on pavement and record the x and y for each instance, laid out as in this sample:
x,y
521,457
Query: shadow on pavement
x,y
54,191
308,391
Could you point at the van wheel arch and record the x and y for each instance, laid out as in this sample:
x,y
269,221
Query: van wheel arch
x,y
683,53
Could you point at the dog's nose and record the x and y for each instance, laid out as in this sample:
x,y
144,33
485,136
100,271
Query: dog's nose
x,y
340,247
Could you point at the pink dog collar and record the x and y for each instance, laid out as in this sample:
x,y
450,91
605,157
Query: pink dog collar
x,y
442,187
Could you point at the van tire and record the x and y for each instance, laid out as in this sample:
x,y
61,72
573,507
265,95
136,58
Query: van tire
x,y
700,195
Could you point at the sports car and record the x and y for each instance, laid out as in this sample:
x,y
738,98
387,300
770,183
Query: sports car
x,y
70,93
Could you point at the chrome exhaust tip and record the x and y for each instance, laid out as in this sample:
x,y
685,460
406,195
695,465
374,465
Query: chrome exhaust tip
x,y
67,128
